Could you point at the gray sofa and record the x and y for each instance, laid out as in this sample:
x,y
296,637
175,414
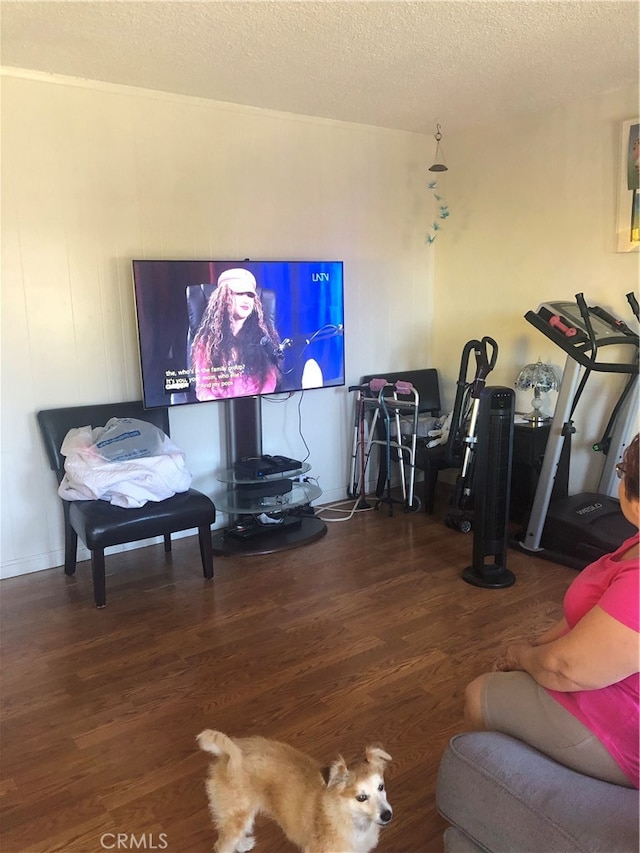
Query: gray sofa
x,y
502,796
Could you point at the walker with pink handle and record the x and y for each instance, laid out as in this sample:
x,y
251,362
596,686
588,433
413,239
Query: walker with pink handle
x,y
399,402
393,404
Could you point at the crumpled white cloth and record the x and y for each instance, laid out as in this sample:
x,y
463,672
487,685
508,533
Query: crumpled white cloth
x,y
88,476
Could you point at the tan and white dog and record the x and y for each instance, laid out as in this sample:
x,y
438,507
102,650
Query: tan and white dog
x,y
339,809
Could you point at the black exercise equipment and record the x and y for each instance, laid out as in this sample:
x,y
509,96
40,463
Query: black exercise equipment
x,y
576,530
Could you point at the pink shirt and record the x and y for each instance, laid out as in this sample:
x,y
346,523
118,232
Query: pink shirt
x,y
611,713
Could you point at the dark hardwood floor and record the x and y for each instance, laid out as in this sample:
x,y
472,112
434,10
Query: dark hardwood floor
x,y
368,635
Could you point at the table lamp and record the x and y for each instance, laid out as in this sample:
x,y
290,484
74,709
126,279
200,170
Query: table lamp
x,y
542,378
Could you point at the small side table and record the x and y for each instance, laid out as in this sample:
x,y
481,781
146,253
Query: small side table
x,y
529,444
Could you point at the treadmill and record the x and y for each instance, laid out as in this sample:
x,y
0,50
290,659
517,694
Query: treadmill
x,y
578,529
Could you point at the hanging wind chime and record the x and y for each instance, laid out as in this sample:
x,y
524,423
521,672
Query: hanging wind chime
x,y
439,165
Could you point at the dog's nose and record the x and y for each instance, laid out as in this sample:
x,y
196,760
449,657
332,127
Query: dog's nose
x,y
386,815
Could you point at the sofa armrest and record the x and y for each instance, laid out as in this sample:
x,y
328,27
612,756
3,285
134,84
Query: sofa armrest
x,y
505,797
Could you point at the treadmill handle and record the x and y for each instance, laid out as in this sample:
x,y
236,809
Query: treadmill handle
x,y
618,325
584,311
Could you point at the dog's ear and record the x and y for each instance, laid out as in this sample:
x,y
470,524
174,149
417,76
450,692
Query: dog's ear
x,y
376,756
338,774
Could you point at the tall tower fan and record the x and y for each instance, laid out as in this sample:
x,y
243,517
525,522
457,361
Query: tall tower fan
x,y
493,448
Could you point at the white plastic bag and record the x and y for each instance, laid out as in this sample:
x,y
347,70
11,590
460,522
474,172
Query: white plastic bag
x,y
89,475
123,439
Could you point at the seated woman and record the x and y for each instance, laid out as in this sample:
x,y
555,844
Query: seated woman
x,y
572,693
234,352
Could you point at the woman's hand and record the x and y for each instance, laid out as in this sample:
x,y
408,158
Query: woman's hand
x,y
511,659
597,652
557,630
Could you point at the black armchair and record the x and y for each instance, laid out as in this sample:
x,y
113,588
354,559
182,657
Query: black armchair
x,y
99,524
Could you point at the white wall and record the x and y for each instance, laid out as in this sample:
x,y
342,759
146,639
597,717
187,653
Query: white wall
x,y
533,206
95,175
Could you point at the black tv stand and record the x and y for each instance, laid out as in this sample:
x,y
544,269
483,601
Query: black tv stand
x,y
262,521
294,532
245,530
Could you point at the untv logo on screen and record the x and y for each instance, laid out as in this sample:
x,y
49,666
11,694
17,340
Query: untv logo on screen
x,y
319,276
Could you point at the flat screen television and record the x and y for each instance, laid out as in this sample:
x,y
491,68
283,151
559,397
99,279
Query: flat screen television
x,y
220,330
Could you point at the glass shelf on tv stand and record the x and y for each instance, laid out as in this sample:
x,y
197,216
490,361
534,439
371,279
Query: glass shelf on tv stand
x,y
292,525
229,475
236,503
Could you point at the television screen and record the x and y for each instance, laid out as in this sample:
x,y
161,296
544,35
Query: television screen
x,y
215,330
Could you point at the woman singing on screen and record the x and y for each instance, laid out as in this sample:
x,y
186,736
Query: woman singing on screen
x,y
234,352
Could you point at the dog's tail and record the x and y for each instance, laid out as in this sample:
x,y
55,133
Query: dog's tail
x,y
219,744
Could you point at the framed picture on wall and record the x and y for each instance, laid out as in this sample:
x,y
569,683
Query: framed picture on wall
x,y
628,221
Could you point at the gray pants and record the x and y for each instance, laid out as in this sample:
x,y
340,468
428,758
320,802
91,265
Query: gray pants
x,y
515,704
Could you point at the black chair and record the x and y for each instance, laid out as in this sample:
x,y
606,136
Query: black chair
x,y
98,523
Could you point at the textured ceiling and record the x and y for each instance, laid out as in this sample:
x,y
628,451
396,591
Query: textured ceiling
x,y
393,64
